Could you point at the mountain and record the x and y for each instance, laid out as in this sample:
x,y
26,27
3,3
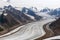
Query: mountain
x,y
45,10
52,12
31,13
17,14
55,27
55,12
10,18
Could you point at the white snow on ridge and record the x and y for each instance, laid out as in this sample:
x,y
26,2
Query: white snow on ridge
x,y
30,16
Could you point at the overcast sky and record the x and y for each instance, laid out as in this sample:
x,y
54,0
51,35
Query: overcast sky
x,y
34,3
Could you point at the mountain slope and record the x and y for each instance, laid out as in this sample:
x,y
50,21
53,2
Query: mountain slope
x,y
31,13
55,26
10,18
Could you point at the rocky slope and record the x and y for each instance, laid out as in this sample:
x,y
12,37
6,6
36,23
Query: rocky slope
x,y
11,18
55,26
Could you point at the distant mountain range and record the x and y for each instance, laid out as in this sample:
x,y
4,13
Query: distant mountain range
x,y
45,10
55,12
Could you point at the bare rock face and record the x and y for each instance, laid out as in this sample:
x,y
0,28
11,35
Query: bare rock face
x,y
55,26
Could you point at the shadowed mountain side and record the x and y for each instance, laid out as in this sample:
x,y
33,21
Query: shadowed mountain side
x,y
7,23
55,26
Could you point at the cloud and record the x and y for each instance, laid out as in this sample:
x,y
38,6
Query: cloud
x,y
36,3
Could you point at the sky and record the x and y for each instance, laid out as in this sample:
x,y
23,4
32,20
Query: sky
x,y
33,3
